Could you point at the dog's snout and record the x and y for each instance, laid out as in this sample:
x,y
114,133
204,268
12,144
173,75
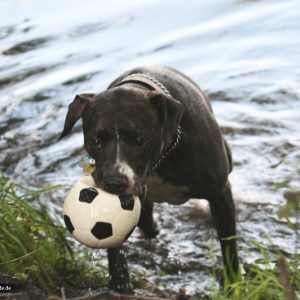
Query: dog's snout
x,y
115,184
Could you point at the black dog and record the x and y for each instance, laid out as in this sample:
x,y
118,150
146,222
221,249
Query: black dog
x,y
152,133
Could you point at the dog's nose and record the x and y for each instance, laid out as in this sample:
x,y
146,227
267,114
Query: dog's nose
x,y
115,184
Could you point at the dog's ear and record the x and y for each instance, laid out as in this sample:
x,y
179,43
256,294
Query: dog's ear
x,y
76,109
171,112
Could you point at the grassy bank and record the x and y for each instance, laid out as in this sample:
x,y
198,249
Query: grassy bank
x,y
275,275
33,246
272,277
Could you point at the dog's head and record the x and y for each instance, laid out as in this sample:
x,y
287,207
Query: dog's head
x,y
125,131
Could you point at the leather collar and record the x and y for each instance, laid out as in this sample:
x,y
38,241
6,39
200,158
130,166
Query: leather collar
x,y
147,81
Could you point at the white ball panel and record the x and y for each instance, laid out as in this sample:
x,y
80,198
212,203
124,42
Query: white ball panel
x,y
84,237
110,242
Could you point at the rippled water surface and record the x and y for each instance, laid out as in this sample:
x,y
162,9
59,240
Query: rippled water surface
x,y
244,54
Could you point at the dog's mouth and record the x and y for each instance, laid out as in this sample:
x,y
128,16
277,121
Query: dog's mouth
x,y
139,191
143,193
120,185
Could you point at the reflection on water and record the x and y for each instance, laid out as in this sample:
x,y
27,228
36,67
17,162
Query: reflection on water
x,y
245,56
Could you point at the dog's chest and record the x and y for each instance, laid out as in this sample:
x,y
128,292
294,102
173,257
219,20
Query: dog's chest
x,y
160,191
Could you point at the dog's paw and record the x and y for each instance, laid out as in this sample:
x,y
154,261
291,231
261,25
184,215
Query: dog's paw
x,y
120,284
151,232
148,228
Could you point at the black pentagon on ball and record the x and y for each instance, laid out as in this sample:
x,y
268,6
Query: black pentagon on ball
x,y
127,202
102,230
68,223
88,195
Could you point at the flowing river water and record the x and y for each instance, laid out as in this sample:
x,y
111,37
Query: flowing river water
x,y
244,54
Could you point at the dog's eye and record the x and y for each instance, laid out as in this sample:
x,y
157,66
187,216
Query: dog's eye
x,y
96,143
140,141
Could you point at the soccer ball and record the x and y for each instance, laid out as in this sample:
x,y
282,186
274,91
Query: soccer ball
x,y
98,219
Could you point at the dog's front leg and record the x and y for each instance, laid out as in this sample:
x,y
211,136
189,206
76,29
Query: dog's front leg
x,y
146,222
118,271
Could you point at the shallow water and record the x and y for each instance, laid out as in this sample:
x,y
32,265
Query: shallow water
x,y
244,55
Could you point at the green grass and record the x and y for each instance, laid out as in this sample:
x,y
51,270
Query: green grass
x,y
274,276
33,246
271,277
